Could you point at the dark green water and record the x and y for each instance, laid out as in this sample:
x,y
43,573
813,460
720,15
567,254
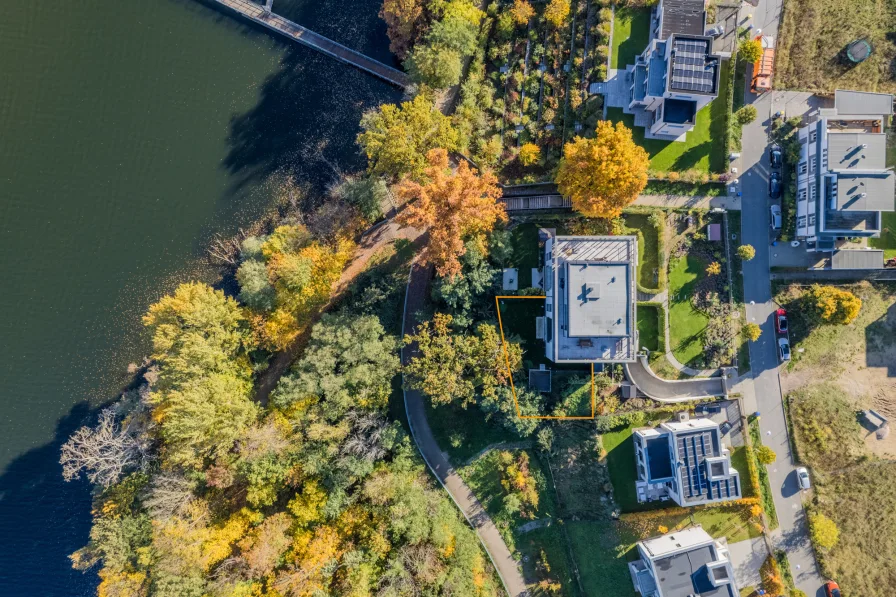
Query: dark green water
x,y
130,132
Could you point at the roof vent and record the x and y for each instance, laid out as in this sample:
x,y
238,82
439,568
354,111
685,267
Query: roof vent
x,y
864,194
864,146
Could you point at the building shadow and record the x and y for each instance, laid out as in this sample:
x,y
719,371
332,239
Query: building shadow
x,y
43,519
878,337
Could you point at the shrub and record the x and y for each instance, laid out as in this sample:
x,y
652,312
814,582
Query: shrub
x,y
772,580
750,51
823,530
714,268
752,331
766,455
746,115
746,252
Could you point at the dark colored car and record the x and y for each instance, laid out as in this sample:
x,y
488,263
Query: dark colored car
x,y
831,589
775,157
774,186
781,321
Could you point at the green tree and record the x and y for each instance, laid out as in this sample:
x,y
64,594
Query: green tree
x,y
766,455
752,331
256,291
462,294
824,531
832,304
746,252
434,66
367,193
396,139
746,114
750,51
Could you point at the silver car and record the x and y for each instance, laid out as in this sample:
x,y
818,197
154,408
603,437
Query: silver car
x,y
776,217
802,475
783,349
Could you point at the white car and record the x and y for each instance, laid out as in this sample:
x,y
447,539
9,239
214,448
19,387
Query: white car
x,y
784,349
776,217
802,475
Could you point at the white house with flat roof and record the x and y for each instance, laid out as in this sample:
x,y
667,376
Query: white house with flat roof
x,y
684,461
843,182
589,283
686,563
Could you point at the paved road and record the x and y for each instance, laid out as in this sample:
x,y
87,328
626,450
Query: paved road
x,y
754,171
463,496
665,390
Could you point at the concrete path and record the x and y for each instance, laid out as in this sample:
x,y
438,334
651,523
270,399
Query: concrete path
x,y
763,387
746,558
438,463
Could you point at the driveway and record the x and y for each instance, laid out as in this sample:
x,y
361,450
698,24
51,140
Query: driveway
x,y
746,559
664,390
763,388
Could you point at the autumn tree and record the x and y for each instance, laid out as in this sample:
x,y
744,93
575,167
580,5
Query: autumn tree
x,y
402,21
752,331
833,305
824,531
529,154
521,11
746,252
453,206
604,174
518,481
458,367
556,12
750,51
765,455
714,268
396,139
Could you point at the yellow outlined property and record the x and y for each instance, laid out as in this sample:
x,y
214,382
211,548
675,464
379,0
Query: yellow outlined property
x,y
510,373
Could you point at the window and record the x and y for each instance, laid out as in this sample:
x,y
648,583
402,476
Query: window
x,y
812,167
802,194
802,168
812,192
813,136
811,219
801,222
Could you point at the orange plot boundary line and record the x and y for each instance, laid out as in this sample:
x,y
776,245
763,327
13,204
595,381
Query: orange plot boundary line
x,y
510,373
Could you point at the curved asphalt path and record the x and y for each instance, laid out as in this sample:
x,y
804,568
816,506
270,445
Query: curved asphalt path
x,y
665,390
507,567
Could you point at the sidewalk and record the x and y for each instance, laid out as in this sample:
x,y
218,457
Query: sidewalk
x,y
689,201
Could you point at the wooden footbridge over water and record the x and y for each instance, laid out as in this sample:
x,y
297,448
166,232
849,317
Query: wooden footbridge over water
x,y
264,16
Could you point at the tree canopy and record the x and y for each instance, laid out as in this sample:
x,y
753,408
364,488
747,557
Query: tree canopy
x,y
556,12
403,19
749,51
833,305
604,174
396,139
454,207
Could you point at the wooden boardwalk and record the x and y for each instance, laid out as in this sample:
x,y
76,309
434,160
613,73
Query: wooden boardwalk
x,y
295,32
536,202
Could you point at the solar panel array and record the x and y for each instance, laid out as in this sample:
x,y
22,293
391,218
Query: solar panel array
x,y
691,70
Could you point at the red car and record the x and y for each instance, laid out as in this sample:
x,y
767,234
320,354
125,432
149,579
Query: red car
x,y
831,589
781,321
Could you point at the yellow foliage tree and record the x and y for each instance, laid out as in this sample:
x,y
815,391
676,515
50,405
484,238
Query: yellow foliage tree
x,y
824,531
453,207
521,11
529,154
752,331
556,12
834,305
714,268
605,174
313,552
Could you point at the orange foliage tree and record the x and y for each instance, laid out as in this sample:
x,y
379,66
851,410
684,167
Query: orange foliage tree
x,y
402,18
454,206
604,174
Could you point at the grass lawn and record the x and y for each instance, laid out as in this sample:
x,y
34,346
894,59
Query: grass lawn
x,y
462,433
524,240
701,151
664,187
649,327
739,461
648,248
621,464
887,240
813,35
686,324
765,487
631,32
731,521
602,564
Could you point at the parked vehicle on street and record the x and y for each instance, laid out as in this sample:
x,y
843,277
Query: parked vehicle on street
x,y
781,321
775,217
784,349
774,186
802,475
775,157
831,589
763,68
716,31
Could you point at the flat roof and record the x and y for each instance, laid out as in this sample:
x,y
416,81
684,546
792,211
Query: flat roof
x,y
692,68
871,191
863,103
686,574
683,16
858,259
598,299
677,540
857,151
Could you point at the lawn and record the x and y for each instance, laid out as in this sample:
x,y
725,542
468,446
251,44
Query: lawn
x,y
702,151
739,457
887,240
631,32
686,324
524,243
731,521
518,322
620,451
602,564
462,433
765,487
813,38
649,327
639,225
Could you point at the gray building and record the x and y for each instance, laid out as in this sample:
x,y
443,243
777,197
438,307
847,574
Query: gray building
x,y
687,563
843,182
677,74
684,461
589,283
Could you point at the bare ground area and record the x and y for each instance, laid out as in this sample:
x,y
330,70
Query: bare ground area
x,y
812,44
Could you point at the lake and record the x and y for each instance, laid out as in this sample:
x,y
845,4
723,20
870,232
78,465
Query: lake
x,y
132,132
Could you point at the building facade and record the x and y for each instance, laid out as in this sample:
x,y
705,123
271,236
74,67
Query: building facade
x,y
590,297
685,461
687,563
843,182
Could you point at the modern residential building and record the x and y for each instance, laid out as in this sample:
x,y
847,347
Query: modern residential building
x,y
589,283
677,74
843,182
684,461
687,563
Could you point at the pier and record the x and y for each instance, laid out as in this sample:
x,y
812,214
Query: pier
x,y
264,16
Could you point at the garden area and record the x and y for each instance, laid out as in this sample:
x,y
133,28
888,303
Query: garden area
x,y
805,63
631,33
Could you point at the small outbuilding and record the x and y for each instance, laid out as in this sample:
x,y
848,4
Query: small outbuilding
x,y
714,232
